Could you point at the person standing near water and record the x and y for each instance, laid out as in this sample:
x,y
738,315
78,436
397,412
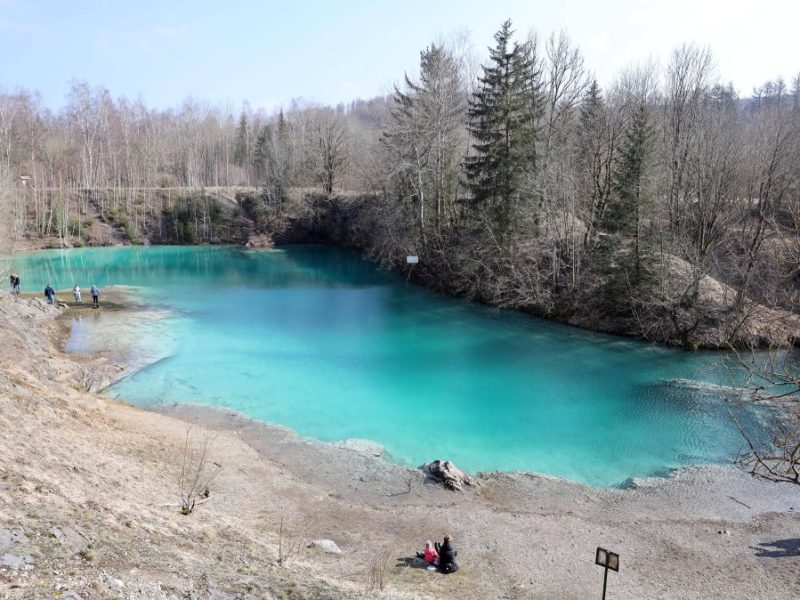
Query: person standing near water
x,y
49,293
95,296
11,282
15,284
76,291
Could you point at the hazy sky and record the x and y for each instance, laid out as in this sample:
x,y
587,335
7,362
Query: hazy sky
x,y
332,51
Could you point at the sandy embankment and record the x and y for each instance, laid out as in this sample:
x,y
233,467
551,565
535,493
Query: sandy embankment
x,y
88,505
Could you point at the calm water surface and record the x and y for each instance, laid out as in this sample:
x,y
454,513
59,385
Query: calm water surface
x,y
319,340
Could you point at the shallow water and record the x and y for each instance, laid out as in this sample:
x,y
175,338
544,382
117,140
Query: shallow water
x,y
319,340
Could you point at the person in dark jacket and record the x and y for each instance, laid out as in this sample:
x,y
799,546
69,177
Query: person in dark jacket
x,y
447,555
95,296
49,293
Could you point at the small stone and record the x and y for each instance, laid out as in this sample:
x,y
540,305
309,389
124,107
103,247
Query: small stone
x,y
327,546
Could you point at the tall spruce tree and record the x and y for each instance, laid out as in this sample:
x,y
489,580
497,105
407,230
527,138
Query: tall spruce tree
x,y
262,154
623,216
270,164
242,146
503,121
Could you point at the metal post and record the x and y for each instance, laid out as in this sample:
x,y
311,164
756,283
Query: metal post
x,y
605,580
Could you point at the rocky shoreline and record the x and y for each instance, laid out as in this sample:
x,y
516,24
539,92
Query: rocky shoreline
x,y
102,470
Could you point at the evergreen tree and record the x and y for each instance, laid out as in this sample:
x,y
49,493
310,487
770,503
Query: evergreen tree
x,y
241,147
270,164
623,216
503,121
261,154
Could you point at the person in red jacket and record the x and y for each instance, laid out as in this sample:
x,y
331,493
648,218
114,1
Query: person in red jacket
x,y
430,555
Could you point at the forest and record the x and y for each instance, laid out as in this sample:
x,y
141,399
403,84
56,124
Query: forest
x,y
662,205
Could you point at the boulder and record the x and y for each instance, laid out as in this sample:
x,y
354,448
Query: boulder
x,y
259,241
71,539
11,561
447,474
9,538
327,546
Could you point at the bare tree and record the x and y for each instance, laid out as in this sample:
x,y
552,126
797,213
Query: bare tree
x,y
196,470
425,138
771,175
565,83
329,145
688,74
286,546
775,457
380,568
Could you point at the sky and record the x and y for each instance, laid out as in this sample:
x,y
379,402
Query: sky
x,y
268,53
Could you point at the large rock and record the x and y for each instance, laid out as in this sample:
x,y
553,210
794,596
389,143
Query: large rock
x,y
70,539
9,538
12,561
327,546
447,474
259,241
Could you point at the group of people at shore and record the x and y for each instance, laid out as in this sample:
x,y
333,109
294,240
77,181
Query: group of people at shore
x,y
50,293
440,557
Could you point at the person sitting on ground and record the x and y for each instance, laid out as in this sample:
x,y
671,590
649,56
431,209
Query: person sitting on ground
x,y
49,293
95,296
429,554
76,291
447,555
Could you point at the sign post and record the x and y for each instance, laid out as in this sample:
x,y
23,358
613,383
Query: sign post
x,y
607,560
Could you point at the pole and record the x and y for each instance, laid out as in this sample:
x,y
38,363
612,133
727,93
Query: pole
x,y
605,580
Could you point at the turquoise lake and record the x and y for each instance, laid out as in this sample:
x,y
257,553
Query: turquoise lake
x,y
317,339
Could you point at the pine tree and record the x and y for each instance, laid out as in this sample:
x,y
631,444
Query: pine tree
x,y
241,148
270,167
624,214
503,114
261,154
